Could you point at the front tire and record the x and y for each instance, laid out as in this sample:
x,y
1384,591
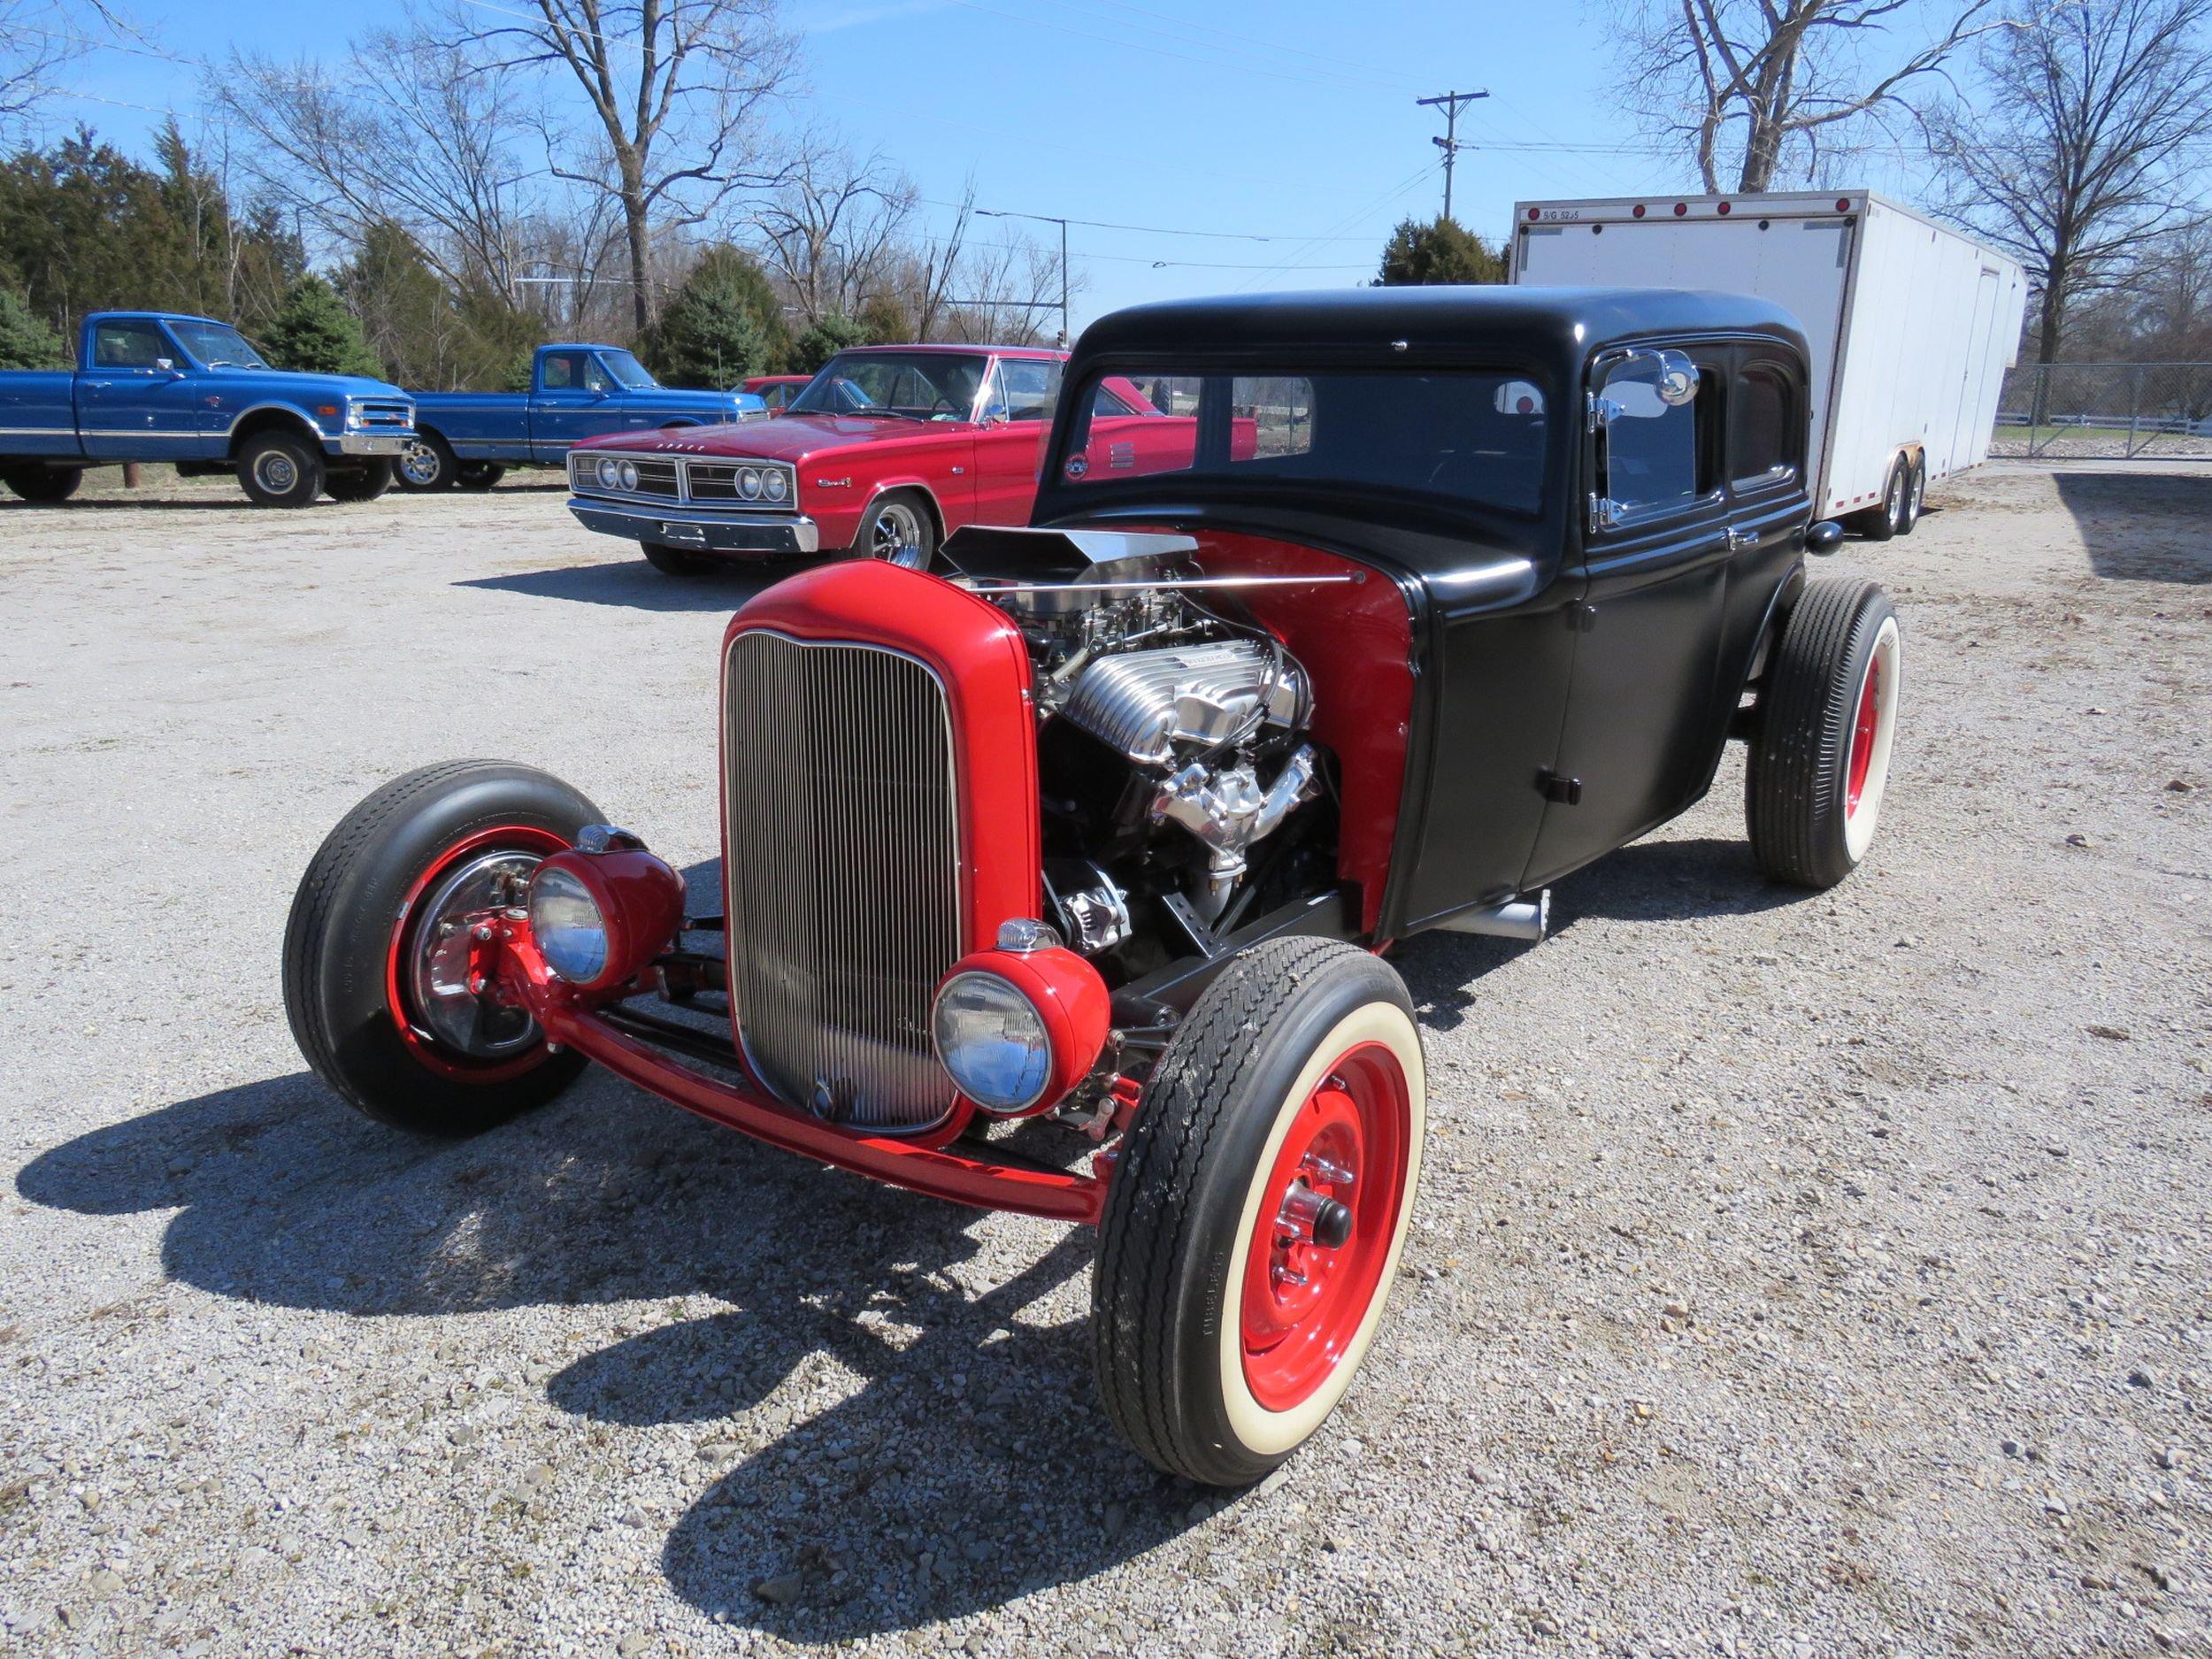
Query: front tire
x,y
46,486
899,530
426,465
376,974
359,483
1820,757
673,561
276,468
1256,1219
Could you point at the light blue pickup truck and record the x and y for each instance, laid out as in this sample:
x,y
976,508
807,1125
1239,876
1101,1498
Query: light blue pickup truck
x,y
158,385
576,392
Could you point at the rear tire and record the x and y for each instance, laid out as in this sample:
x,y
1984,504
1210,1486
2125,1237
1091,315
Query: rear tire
x,y
674,561
276,468
46,486
436,845
1820,758
359,483
478,474
1223,1341
428,464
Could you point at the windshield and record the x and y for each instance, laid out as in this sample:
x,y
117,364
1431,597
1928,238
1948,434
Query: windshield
x,y
634,375
1476,436
910,385
217,345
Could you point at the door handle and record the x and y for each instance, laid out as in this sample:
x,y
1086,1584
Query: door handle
x,y
1739,539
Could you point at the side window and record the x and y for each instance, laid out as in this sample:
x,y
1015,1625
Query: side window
x,y
1761,427
1030,387
1649,447
129,346
560,371
596,377
1106,406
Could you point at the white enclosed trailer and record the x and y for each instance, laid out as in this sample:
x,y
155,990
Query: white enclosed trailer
x,y
1912,326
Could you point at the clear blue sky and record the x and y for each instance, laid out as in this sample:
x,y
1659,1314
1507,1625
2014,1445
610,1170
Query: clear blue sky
x,y
1292,120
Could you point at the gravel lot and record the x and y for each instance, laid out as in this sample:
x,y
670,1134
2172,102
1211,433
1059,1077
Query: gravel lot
x,y
1794,1275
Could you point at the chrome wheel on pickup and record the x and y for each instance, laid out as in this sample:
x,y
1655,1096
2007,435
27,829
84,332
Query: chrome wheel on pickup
x,y
425,464
277,470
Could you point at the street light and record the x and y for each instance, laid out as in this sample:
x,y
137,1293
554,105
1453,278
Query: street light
x,y
1045,218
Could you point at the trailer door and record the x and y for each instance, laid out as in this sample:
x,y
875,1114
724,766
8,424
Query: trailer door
x,y
1959,452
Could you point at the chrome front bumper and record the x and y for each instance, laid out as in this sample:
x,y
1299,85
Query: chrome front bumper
x,y
695,531
374,443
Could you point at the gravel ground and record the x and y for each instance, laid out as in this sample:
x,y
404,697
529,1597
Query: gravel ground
x,y
1795,1276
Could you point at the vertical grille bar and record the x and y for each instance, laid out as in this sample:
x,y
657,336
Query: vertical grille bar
x,y
843,861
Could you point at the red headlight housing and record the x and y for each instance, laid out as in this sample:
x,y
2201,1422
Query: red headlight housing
x,y
1072,1005
639,899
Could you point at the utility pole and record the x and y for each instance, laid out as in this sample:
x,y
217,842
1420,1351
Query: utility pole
x,y
1451,103
1045,218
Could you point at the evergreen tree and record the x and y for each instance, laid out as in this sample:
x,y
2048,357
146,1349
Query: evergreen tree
x,y
315,332
825,339
886,320
25,341
710,335
1440,251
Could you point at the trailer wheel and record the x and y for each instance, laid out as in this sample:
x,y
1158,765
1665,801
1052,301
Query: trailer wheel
x,y
1820,758
1257,1211
276,468
45,485
1915,486
1883,520
377,980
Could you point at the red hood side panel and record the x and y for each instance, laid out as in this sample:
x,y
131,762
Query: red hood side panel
x,y
790,438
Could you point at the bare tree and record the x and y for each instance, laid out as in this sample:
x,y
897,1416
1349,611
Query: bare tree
x,y
2080,144
1762,88
410,132
677,91
834,229
38,38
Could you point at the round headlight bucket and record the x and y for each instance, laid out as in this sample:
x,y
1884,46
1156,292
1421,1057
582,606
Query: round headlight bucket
x,y
772,481
748,483
610,474
992,1039
567,924
629,475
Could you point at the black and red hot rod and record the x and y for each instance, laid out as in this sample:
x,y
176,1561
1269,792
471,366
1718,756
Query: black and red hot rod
x,y
1441,595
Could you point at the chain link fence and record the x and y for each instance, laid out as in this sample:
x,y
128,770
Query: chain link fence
x,y
2105,411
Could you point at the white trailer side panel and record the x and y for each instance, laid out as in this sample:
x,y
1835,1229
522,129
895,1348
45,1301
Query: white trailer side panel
x,y
1911,326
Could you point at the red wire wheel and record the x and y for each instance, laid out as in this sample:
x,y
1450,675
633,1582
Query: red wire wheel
x,y
1328,1216
1862,734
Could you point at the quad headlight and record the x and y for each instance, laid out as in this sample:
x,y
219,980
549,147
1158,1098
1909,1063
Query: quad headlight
x,y
748,483
992,1039
772,481
567,924
609,472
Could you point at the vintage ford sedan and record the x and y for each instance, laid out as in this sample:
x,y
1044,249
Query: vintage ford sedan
x,y
881,455
1093,837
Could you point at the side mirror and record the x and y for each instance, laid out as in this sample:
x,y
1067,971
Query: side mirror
x,y
1823,538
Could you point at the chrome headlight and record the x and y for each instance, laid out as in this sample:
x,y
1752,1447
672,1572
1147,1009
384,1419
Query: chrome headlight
x,y
353,416
627,472
772,481
992,1039
565,919
748,483
609,475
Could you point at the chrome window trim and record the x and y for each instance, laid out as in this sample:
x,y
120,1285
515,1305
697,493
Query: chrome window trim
x,y
579,459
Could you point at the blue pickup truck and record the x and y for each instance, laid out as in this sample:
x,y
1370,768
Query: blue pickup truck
x,y
157,385
576,392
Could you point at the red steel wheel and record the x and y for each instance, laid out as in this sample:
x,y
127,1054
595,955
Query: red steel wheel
x,y
1258,1209
388,979
1328,1216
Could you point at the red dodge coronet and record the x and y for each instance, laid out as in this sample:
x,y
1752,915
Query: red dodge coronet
x,y
883,453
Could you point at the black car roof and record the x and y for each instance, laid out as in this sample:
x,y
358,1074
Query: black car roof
x,y
1554,324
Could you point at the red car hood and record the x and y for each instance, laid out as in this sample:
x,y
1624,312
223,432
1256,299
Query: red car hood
x,y
787,437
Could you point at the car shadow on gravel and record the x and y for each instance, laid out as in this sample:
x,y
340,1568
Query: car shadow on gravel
x,y
2109,511
636,584
926,1449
